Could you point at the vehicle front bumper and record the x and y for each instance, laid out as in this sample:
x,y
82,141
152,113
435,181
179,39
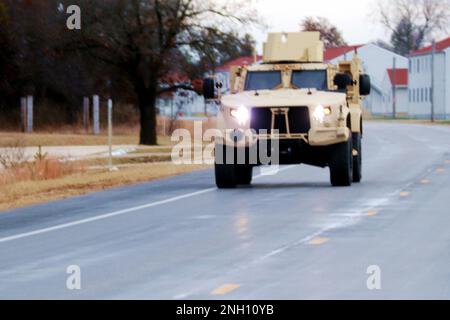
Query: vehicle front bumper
x,y
315,137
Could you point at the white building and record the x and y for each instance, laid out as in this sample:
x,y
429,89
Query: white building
x,y
386,105
376,60
420,83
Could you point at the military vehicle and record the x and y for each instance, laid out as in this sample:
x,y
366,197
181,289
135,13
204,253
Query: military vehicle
x,y
311,109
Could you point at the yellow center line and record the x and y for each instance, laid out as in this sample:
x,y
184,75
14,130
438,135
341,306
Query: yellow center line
x,y
225,289
404,194
372,213
318,241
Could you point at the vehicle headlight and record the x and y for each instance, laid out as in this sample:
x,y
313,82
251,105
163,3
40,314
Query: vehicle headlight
x,y
321,112
241,114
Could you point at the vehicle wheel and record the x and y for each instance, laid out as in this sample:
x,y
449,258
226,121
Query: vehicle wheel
x,y
357,160
225,172
225,176
244,174
341,164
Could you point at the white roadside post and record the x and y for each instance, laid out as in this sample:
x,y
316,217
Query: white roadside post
x,y
110,133
96,114
30,103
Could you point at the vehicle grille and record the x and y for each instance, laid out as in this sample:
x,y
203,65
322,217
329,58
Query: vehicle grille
x,y
299,122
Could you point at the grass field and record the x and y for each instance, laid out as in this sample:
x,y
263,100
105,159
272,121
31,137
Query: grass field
x,y
24,193
28,183
63,139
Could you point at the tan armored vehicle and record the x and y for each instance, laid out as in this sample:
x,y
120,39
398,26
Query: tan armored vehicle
x,y
294,107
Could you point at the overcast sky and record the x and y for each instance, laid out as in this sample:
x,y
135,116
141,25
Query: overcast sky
x,y
353,17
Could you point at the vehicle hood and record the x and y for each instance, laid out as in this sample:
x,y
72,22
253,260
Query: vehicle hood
x,y
283,98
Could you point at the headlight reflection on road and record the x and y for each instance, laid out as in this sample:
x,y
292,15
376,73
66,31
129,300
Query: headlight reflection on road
x,y
242,226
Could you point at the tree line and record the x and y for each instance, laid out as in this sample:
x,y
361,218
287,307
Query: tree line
x,y
124,49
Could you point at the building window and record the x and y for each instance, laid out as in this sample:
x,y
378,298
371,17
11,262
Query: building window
x,y
431,95
426,95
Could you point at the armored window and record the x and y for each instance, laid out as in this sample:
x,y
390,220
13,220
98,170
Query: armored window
x,y
310,79
262,80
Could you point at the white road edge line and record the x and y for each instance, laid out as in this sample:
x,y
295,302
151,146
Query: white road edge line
x,y
114,214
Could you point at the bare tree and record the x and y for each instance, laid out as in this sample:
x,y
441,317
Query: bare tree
x,y
329,33
139,38
413,22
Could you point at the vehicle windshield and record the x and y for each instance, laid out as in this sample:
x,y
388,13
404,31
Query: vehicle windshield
x,y
310,79
262,80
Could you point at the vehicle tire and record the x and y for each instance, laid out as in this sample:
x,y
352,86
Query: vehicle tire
x,y
357,160
225,176
244,174
229,175
341,164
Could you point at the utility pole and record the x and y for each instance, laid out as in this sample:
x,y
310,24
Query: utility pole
x,y
433,53
394,87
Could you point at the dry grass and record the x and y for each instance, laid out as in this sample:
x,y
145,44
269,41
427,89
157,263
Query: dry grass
x,y
24,193
43,169
12,155
62,139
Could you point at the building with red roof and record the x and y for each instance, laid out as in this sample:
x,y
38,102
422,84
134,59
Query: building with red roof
x,y
440,46
239,62
401,77
397,81
376,61
223,72
424,71
333,53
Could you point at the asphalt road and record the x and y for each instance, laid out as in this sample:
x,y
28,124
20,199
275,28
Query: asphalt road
x,y
288,236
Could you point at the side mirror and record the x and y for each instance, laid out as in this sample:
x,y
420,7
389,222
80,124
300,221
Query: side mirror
x,y
209,89
342,81
364,85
